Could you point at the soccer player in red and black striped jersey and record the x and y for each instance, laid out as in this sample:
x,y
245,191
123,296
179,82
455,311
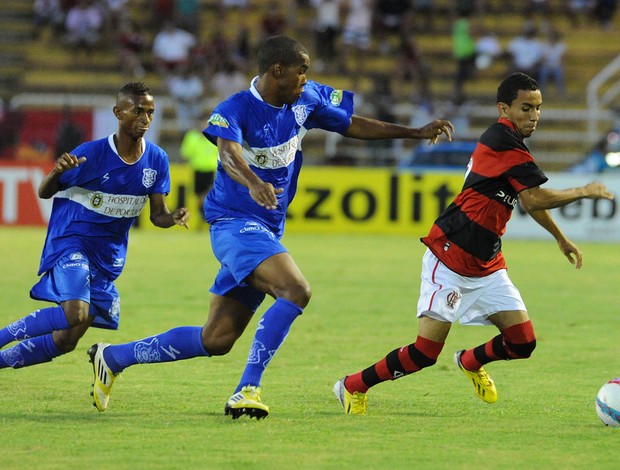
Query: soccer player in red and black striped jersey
x,y
464,273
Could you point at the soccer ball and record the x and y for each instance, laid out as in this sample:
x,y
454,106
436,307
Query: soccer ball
x,y
608,403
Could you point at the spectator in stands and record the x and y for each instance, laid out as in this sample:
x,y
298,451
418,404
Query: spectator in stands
x,y
48,13
234,4
604,11
162,12
172,47
131,45
201,155
552,66
69,133
464,51
356,36
327,29
577,11
413,67
187,90
227,81
83,24
188,15
115,12
273,21
391,20
423,15
241,48
210,55
488,49
526,52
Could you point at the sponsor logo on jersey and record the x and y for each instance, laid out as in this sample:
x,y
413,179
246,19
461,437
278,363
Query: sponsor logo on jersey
x,y
336,97
111,205
148,177
218,120
506,198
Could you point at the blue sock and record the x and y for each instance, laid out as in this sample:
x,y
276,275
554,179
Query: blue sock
x,y
177,344
39,322
29,352
271,332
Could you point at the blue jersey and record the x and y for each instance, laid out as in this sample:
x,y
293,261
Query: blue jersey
x,y
271,140
99,201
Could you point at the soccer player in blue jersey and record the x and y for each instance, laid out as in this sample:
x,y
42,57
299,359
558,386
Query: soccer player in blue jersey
x,y
258,133
100,188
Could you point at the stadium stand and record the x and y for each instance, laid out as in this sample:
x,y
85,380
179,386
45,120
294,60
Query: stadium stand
x,y
42,65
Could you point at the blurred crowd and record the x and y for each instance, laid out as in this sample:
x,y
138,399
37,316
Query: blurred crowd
x,y
201,64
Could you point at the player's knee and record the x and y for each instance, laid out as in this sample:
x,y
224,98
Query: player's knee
x,y
65,343
76,312
521,351
218,345
299,293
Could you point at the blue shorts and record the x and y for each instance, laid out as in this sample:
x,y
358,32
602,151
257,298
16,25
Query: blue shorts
x,y
240,245
73,278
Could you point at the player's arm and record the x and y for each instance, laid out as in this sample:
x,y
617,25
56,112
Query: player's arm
x,y
567,247
372,129
236,167
537,198
49,184
161,215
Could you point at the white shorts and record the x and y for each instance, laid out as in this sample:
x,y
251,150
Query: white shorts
x,y
448,296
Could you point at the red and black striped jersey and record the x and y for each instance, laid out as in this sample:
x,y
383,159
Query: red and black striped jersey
x,y
466,237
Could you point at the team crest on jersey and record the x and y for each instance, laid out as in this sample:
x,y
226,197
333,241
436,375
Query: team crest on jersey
x,y
301,113
261,158
453,299
96,200
336,97
148,177
218,120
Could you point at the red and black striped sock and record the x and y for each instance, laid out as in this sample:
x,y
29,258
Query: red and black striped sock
x,y
398,363
515,342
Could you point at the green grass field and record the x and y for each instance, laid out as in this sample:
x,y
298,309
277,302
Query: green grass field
x,y
365,292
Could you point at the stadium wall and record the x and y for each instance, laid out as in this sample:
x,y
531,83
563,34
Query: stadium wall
x,y
348,200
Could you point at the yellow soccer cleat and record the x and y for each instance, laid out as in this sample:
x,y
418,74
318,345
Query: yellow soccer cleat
x,y
352,403
484,386
103,377
246,402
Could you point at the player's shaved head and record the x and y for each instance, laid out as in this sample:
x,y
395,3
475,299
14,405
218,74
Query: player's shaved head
x,y
132,89
282,50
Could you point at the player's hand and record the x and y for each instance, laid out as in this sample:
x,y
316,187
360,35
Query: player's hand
x,y
434,129
598,190
181,217
265,195
68,161
572,253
